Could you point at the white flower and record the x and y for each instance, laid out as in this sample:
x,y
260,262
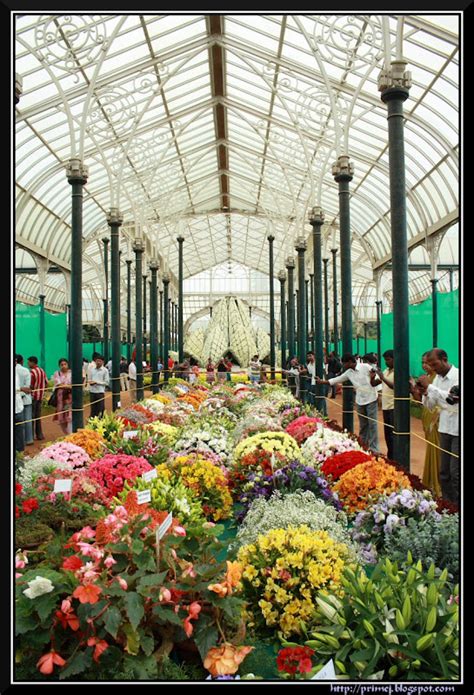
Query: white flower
x,y
38,586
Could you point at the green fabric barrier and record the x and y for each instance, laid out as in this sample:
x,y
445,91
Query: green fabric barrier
x,y
27,335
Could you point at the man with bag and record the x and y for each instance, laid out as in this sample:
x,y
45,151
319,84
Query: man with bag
x,y
39,382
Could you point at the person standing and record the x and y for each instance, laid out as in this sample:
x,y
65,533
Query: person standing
x,y
334,369
25,386
361,377
254,369
97,384
210,376
123,368
62,385
228,365
440,393
221,370
39,382
19,426
132,381
159,369
293,372
308,378
386,381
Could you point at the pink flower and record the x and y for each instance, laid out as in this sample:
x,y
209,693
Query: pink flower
x,y
179,531
47,661
123,584
165,595
109,561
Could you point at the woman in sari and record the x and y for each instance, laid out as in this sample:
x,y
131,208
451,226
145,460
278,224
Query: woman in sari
x,y
62,385
430,419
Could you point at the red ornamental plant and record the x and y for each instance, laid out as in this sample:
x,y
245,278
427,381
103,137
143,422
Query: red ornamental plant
x,y
337,465
27,505
303,427
295,659
113,470
257,461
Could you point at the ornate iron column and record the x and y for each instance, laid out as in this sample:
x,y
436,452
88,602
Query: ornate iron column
x,y
434,295
271,239
306,315
282,279
300,247
138,247
18,93
290,267
316,220
171,312
334,299
153,265
365,337
166,324
68,319
180,241
115,219
310,304
343,171
378,306
42,333
105,348
326,305
77,175
161,327
129,309
176,316
144,316
394,84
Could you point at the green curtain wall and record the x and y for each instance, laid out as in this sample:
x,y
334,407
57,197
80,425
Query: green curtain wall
x,y
27,335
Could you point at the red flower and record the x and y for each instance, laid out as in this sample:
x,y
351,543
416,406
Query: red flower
x,y
17,512
72,563
87,594
337,465
18,488
292,659
30,504
68,618
100,646
47,661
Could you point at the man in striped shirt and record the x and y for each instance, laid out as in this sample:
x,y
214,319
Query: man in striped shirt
x,y
39,382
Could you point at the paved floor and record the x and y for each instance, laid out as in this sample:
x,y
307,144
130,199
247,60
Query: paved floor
x,y
52,430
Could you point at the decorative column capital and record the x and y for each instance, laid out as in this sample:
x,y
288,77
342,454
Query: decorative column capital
x,y
114,217
76,171
105,240
128,261
325,261
395,81
138,245
282,276
165,278
18,87
333,251
343,169
180,239
290,263
316,216
271,238
153,265
300,244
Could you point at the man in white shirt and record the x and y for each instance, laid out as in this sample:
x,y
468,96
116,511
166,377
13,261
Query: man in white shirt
x,y
361,377
19,426
438,394
99,379
132,380
386,384
25,387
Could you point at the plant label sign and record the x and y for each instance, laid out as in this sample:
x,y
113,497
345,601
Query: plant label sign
x,y
149,475
319,426
162,528
130,434
62,486
143,496
327,673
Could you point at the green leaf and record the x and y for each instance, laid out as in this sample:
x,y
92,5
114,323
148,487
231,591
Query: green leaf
x,y
143,668
112,620
167,615
134,608
77,664
150,580
45,605
205,636
137,546
148,643
38,638
441,657
145,560
133,639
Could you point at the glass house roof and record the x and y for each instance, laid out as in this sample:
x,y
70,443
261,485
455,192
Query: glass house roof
x,y
223,129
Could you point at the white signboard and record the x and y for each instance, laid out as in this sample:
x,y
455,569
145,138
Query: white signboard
x,y
162,529
130,434
327,673
143,496
62,486
149,475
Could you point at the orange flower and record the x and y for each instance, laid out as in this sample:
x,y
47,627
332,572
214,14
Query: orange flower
x,y
87,594
220,589
193,609
47,661
100,646
225,660
234,573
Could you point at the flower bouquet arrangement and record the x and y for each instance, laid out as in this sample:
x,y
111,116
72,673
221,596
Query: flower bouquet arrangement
x,y
143,445
154,405
84,488
33,467
325,443
300,508
390,511
91,441
303,427
284,572
162,397
402,624
203,439
291,477
338,464
365,483
169,495
172,416
166,434
288,413
196,455
257,461
66,455
136,415
113,470
254,423
272,442
107,425
206,480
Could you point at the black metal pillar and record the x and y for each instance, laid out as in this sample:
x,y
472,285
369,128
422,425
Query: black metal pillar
x,y
342,171
451,283
334,300
311,307
176,320
300,247
306,317
282,279
393,85
180,241
139,248
171,312
105,334
365,337
161,327
271,239
77,174
154,325
115,219
378,305
290,267
129,309
316,220
326,306
144,317
434,296
42,333
166,324
68,319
